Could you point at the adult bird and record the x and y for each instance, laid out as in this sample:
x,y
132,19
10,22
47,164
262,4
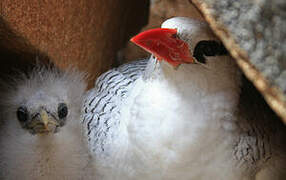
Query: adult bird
x,y
40,131
175,115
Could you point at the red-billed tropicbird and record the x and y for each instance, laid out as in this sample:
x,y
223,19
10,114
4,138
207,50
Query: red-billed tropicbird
x,y
174,115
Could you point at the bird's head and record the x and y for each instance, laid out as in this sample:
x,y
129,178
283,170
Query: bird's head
x,y
182,40
43,113
46,99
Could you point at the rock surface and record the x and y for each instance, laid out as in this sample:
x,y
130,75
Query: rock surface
x,y
82,33
255,34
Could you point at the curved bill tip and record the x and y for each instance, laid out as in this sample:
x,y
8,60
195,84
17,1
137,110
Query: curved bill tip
x,y
164,44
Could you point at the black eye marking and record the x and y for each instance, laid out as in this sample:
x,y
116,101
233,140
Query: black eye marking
x,y
22,114
208,48
62,110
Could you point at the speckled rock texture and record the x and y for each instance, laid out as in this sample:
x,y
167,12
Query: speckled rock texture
x,y
82,33
254,32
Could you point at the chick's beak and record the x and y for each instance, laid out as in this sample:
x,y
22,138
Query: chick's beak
x,y
44,123
164,44
44,119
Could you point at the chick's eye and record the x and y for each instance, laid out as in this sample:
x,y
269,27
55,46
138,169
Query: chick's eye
x,y
62,110
208,48
22,114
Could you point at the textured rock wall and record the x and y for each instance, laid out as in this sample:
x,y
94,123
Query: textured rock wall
x,y
83,33
255,34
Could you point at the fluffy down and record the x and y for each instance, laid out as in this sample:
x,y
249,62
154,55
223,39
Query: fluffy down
x,y
60,155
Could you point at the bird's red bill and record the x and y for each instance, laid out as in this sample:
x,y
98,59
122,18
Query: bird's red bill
x,y
164,44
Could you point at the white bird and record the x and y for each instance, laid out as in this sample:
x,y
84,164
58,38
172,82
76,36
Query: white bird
x,y
40,131
175,115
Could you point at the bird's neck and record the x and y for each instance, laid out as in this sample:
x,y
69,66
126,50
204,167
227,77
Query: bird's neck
x,y
195,77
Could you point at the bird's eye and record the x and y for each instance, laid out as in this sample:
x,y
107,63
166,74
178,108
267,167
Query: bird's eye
x,y
208,48
62,110
22,114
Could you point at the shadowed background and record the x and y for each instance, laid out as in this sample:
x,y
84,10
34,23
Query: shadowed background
x,y
82,33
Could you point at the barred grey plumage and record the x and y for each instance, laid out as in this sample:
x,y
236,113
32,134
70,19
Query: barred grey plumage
x,y
102,103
